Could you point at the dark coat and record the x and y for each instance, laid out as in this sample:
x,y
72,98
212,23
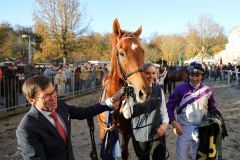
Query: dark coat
x,y
39,139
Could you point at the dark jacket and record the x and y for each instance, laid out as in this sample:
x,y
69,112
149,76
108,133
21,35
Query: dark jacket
x,y
39,139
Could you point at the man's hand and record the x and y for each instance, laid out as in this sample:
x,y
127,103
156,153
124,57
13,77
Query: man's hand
x,y
117,95
177,129
110,101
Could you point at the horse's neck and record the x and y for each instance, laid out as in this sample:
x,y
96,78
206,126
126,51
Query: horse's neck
x,y
114,84
114,81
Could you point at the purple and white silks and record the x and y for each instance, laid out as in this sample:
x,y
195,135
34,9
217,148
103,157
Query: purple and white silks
x,y
191,104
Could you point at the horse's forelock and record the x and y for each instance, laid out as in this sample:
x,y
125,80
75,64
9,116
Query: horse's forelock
x,y
129,37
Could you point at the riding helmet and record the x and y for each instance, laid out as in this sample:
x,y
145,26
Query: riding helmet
x,y
195,68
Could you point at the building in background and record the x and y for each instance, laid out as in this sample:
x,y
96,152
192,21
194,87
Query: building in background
x,y
231,53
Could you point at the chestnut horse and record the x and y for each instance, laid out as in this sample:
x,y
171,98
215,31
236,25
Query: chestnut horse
x,y
125,70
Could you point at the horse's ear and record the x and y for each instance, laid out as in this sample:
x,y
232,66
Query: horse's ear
x,y
117,29
138,32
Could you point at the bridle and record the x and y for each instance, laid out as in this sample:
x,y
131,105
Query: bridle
x,y
123,73
129,89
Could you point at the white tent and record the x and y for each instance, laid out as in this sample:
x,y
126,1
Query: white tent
x,y
198,58
231,53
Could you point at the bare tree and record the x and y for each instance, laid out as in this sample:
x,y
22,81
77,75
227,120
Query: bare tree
x,y
60,22
206,37
171,46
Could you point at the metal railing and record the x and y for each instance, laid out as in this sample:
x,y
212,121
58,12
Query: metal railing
x,y
226,76
232,76
12,99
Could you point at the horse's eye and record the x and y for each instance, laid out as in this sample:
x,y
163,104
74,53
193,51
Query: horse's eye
x,y
121,53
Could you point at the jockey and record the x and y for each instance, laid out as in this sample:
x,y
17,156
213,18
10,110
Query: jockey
x,y
192,101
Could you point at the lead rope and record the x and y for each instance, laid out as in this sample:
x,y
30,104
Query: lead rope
x,y
102,123
93,153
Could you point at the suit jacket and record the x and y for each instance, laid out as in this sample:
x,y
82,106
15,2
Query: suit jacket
x,y
38,139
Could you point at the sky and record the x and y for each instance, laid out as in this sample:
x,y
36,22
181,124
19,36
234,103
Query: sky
x,y
155,16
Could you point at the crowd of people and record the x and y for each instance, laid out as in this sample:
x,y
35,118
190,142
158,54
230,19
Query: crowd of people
x,y
215,71
44,132
66,79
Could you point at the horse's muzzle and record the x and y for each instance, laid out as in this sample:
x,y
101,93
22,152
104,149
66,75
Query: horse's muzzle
x,y
142,96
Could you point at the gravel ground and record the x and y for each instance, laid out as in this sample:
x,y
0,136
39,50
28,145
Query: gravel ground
x,y
228,102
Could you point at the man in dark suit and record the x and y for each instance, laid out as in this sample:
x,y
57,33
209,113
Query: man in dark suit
x,y
44,132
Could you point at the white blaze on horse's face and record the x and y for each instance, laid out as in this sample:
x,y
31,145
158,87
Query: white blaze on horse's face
x,y
134,46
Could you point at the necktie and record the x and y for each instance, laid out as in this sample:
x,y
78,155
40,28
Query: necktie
x,y
59,126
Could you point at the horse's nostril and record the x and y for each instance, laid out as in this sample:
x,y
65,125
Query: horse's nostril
x,y
142,94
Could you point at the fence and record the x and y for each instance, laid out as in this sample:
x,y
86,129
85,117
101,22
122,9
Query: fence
x,y
13,100
226,76
232,77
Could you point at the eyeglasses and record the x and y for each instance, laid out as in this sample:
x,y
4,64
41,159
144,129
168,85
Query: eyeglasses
x,y
48,97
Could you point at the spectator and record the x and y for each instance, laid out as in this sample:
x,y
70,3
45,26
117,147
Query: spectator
x,y
162,77
84,76
69,74
99,74
10,85
105,69
77,78
59,81
50,73
218,71
34,70
21,77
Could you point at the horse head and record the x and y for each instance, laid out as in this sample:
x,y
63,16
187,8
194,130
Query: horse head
x,y
126,63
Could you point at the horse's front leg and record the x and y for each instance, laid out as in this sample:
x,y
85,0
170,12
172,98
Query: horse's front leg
x,y
124,145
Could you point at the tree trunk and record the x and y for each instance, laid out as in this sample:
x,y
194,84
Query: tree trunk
x,y
64,60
